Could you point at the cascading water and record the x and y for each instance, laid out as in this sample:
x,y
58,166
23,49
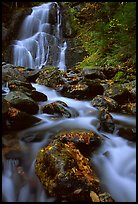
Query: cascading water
x,y
115,160
40,43
40,39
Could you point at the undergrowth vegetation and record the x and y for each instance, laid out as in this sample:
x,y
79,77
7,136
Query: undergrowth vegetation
x,y
107,31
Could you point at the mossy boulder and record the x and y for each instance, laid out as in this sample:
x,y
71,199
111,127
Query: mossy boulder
x,y
65,172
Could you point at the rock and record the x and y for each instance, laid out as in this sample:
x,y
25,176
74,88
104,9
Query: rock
x,y
14,84
14,119
9,72
77,91
118,92
62,166
129,108
84,89
110,72
31,75
107,103
27,89
93,73
128,133
75,52
106,122
22,102
38,96
51,77
59,109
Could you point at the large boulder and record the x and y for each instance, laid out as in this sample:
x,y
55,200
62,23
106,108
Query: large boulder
x,y
22,102
65,172
27,89
14,119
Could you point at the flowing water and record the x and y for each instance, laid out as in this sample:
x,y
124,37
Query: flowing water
x,y
40,43
115,160
40,40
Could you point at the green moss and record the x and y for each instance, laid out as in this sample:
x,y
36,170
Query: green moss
x,y
119,75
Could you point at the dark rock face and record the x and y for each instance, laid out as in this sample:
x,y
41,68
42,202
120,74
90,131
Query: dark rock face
x,y
63,170
75,53
14,119
128,133
84,89
9,72
22,102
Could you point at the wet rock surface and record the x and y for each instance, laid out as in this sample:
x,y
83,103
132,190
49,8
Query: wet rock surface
x,y
59,109
61,165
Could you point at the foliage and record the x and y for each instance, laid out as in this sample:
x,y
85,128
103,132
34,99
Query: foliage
x,y
108,33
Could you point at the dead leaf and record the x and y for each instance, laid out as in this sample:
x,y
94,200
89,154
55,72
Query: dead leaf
x,y
94,196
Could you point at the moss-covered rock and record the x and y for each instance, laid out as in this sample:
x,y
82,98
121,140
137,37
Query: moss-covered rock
x,y
65,172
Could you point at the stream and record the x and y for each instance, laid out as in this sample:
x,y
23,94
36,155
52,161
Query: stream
x,y
115,160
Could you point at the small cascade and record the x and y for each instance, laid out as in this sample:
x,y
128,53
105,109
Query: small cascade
x,y
61,64
39,41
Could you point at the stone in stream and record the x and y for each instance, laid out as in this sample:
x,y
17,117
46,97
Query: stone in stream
x,y
59,109
106,122
27,89
22,102
65,172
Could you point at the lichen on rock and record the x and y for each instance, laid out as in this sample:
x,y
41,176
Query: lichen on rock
x,y
63,169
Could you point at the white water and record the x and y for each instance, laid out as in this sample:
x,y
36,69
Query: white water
x,y
40,42
115,160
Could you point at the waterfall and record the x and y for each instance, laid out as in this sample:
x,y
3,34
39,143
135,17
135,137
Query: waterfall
x,y
40,40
